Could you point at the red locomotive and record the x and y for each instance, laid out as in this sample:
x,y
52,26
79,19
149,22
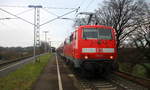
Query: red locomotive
x,y
90,46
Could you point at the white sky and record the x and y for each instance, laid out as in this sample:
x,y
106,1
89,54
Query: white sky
x,y
16,32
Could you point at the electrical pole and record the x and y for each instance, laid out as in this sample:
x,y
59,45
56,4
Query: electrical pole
x,y
49,43
36,27
50,47
45,40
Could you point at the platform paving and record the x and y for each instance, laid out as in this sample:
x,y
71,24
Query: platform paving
x,y
48,80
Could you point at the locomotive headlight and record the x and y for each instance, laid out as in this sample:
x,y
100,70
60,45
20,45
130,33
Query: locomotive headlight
x,y
111,57
86,57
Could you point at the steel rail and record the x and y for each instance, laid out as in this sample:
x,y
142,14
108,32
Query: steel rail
x,y
135,79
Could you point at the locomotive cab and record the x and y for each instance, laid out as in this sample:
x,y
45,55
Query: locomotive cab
x,y
97,43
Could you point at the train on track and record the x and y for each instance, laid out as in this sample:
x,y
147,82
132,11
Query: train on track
x,y
91,48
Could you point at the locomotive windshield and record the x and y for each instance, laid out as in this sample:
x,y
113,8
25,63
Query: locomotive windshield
x,y
97,33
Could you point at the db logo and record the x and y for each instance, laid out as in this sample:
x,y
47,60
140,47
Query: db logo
x,y
99,50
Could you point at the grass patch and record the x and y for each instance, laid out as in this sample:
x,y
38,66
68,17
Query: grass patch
x,y
23,78
125,67
136,70
139,71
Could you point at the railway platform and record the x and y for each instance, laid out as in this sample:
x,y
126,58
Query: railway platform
x,y
55,76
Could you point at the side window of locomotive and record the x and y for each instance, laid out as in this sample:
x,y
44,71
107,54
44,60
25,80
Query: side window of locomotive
x,y
74,36
67,41
71,38
64,42
90,33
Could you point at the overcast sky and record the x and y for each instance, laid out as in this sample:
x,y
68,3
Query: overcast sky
x,y
15,32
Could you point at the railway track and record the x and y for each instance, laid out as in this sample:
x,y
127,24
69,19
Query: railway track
x,y
138,80
10,66
12,61
113,82
97,84
5,63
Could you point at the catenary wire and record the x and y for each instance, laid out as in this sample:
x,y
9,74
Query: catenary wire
x,y
43,7
58,8
59,16
89,4
25,11
15,16
14,6
49,12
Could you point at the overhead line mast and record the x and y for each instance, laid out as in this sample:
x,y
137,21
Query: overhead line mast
x,y
36,27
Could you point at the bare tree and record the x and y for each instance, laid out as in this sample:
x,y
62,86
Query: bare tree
x,y
122,15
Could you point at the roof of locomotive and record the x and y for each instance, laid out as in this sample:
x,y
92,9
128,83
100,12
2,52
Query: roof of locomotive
x,y
96,26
